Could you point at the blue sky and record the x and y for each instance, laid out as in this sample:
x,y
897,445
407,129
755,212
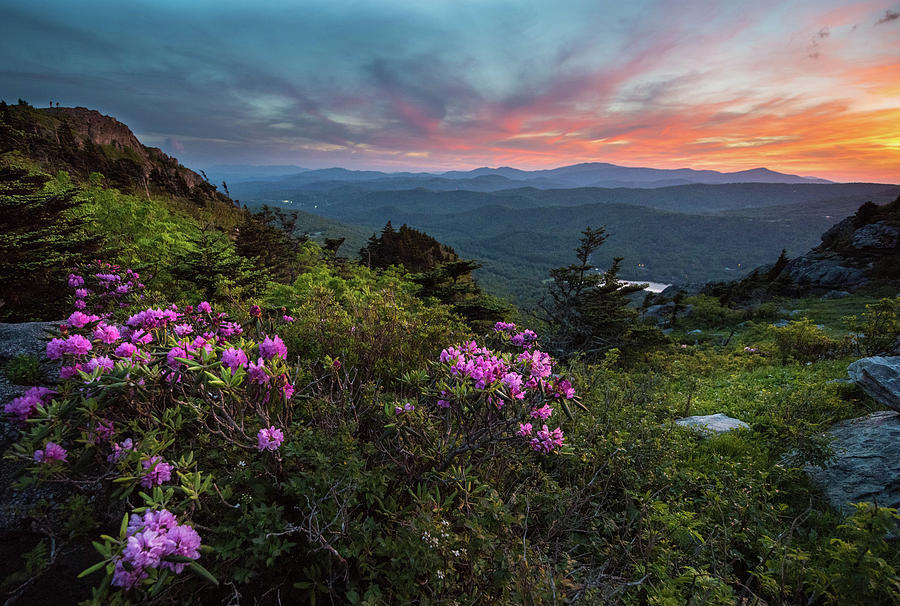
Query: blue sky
x,y
807,87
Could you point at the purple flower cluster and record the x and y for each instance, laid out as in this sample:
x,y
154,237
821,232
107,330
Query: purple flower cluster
x,y
408,407
103,285
525,378
50,453
546,440
157,472
150,539
150,318
119,450
234,358
25,405
271,347
269,438
525,339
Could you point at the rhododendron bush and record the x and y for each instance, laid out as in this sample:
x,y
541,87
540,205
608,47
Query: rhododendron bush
x,y
223,451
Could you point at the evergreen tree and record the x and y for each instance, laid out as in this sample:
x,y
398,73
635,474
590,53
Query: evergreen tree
x,y
265,239
41,237
214,270
587,310
437,269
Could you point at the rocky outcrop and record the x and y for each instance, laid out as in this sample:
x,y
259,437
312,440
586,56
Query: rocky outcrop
x,y
876,235
858,254
879,377
824,273
866,462
712,424
16,340
82,141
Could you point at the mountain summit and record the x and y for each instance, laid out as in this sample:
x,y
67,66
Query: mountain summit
x,y
82,141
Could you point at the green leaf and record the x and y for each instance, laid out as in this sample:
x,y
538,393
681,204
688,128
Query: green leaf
x,y
101,548
203,572
92,569
157,587
124,526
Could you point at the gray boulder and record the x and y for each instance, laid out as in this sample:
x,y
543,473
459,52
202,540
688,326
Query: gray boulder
x,y
866,462
26,338
712,424
879,376
835,294
825,273
876,235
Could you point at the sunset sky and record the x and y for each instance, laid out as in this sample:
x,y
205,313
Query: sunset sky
x,y
810,88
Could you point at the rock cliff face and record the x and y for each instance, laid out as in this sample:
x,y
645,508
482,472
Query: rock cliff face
x,y
82,141
859,254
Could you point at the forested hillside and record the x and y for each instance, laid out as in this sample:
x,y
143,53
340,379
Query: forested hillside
x,y
681,234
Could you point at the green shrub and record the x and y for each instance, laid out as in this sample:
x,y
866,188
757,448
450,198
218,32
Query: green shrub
x,y
876,329
801,340
24,370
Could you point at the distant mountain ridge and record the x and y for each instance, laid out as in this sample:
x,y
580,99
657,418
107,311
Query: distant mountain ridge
x,y
485,179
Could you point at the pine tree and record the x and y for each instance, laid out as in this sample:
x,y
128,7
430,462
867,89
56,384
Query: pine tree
x,y
41,238
587,310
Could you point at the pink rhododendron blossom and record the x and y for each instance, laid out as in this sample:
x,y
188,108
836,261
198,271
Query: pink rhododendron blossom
x,y
228,329
204,307
234,358
408,407
524,429
179,351
186,543
540,363
271,347
51,452
119,450
205,343
103,362
79,304
158,472
126,350
287,318
56,348
504,326
514,382
258,372
103,431
81,293
150,319
183,329
25,405
547,440
67,372
160,521
151,539
75,280
79,319
543,412
141,336
106,333
564,389
78,345
287,390
269,439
